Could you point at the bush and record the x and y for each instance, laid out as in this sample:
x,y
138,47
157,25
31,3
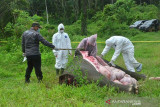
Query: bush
x,y
22,22
37,18
9,29
74,29
116,18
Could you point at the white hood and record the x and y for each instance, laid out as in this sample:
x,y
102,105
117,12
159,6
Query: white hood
x,y
59,27
110,41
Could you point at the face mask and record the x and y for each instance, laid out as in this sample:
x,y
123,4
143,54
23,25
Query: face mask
x,y
38,30
61,31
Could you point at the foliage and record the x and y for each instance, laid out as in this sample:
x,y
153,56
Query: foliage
x,y
14,92
117,17
23,22
37,18
9,29
74,29
122,13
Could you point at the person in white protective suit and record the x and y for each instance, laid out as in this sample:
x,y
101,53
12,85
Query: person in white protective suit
x,y
124,45
61,40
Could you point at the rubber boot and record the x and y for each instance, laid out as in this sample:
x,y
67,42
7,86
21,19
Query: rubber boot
x,y
39,79
27,80
57,71
62,70
139,68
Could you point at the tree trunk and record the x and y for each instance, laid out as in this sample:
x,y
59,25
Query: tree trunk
x,y
79,7
84,18
76,8
89,4
102,4
112,1
96,1
150,1
46,11
64,10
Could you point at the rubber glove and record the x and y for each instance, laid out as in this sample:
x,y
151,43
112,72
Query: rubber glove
x,y
112,63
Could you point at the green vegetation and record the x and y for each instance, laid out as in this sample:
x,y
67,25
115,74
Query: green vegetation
x,y
14,92
104,19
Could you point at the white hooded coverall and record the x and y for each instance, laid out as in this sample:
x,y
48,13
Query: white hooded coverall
x,y
124,45
61,40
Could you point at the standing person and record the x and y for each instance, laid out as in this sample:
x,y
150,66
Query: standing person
x,y
124,45
30,48
61,40
89,44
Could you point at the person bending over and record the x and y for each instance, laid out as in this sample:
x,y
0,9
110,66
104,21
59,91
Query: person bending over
x,y
124,45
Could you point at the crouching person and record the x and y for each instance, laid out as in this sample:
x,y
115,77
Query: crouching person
x,y
62,41
88,44
30,48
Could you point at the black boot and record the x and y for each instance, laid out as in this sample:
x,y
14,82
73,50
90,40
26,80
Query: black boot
x,y
62,70
27,80
57,71
39,79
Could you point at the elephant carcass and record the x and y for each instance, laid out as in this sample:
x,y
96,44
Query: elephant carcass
x,y
94,73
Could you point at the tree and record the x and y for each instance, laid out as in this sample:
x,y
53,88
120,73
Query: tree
x,y
84,18
5,14
46,11
6,11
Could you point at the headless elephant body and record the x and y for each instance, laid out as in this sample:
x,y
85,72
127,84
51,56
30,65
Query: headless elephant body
x,y
98,69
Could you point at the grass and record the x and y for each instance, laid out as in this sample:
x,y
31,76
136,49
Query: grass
x,y
13,91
